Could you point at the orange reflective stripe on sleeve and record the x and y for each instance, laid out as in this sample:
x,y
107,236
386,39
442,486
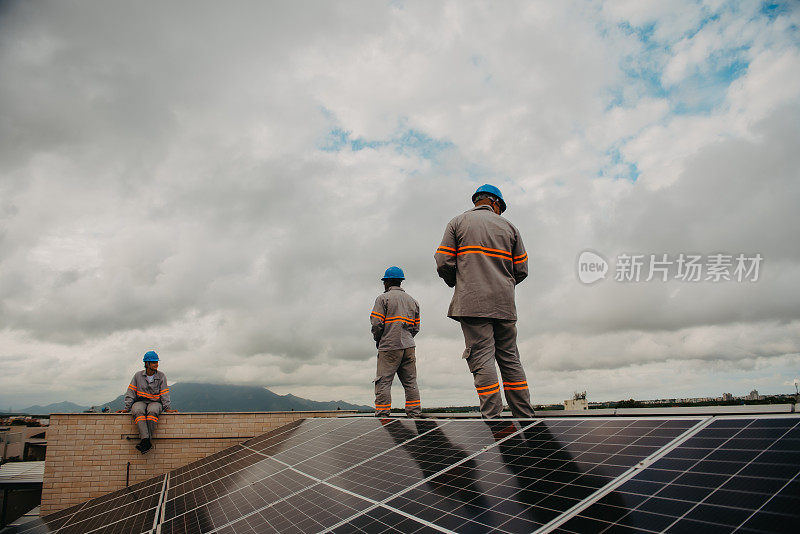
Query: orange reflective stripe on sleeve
x,y
486,251
520,259
166,390
378,315
446,250
399,318
131,386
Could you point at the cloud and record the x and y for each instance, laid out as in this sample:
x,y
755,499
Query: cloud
x,y
227,185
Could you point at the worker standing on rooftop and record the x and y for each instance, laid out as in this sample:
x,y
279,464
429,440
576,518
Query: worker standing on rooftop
x,y
483,257
147,396
395,321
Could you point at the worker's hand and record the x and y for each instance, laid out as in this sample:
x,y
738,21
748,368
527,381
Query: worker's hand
x,y
121,411
171,411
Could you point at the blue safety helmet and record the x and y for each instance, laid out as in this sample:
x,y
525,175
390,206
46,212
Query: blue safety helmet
x,y
492,190
394,273
150,356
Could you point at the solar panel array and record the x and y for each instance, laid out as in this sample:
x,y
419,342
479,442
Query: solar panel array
x,y
570,475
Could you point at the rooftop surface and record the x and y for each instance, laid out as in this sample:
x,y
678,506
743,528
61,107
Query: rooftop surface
x,y
675,472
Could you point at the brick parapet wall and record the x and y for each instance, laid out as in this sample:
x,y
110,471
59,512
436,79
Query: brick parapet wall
x,y
88,454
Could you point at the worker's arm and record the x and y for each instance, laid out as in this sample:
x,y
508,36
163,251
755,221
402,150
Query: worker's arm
x,y
377,319
415,328
165,402
130,395
446,256
520,259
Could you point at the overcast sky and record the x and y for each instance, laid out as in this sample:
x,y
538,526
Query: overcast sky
x,y
225,183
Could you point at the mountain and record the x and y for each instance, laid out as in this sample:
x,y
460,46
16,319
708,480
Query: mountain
x,y
56,407
192,397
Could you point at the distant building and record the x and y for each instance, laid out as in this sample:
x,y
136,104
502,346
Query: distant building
x,y
23,443
753,395
727,397
577,402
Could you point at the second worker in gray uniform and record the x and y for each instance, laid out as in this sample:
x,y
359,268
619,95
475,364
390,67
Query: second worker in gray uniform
x,y
483,257
395,321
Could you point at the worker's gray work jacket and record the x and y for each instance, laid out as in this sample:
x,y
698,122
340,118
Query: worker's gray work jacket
x,y
141,390
395,320
482,255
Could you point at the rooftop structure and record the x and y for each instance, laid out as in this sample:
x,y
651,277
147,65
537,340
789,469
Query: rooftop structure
x,y
654,473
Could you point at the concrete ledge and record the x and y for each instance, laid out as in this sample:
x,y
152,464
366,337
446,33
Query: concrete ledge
x,y
88,454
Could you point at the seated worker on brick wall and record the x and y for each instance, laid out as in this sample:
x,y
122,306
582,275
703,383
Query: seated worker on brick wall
x,y
147,396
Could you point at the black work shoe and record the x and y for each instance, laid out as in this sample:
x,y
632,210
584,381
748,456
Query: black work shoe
x,y
144,446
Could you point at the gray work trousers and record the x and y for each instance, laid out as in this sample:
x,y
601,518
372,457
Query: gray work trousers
x,y
404,363
145,415
493,340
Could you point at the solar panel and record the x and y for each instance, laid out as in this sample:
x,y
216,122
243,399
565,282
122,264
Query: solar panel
x,y
131,509
531,477
735,474
601,474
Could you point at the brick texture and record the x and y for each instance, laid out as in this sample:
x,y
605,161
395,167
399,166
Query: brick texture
x,y
88,454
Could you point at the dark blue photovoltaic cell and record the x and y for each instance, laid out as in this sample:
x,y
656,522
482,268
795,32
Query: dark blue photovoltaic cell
x,y
426,448
530,479
382,520
735,474
312,436
377,439
217,510
316,509
124,510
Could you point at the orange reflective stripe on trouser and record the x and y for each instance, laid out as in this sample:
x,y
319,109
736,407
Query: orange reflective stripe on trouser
x,y
140,418
514,386
488,390
383,405
152,418
413,403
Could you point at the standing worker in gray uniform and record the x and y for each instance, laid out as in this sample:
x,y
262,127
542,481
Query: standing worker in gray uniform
x,y
483,257
395,322
147,395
